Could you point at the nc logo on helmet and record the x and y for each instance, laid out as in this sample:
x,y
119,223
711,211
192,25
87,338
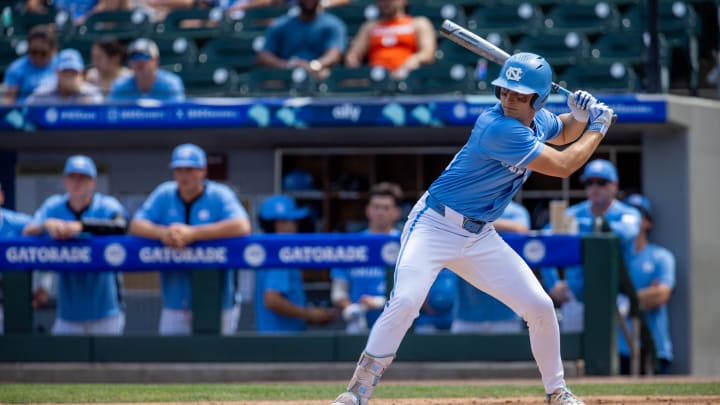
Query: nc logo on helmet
x,y
513,73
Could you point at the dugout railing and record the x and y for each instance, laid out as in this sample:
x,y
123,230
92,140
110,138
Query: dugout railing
x,y
596,345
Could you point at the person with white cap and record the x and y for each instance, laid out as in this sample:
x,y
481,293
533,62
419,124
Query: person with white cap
x,y
69,86
601,210
280,301
652,270
188,209
147,80
88,302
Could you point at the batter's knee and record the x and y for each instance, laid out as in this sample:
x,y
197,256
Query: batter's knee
x,y
405,308
542,308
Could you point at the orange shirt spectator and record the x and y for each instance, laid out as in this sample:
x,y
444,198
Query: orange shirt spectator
x,y
396,41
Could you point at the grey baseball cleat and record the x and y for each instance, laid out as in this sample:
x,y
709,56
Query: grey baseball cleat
x,y
563,396
347,398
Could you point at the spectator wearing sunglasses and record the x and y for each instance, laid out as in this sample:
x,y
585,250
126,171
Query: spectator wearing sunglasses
x,y
601,212
148,81
37,67
70,86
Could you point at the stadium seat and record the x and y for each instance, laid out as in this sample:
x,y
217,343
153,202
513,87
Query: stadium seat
x,y
258,19
265,82
23,22
123,24
594,18
439,78
198,23
11,50
506,19
449,51
176,54
363,80
207,80
437,13
354,15
560,49
238,53
678,22
619,46
606,77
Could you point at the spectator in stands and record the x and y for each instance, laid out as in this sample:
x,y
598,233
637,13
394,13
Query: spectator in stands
x,y
88,302
108,64
396,41
11,225
280,302
181,212
314,40
79,10
360,292
479,312
147,80
599,213
69,87
28,72
652,270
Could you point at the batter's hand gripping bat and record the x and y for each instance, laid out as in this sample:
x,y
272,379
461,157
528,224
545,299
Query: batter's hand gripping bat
x,y
480,46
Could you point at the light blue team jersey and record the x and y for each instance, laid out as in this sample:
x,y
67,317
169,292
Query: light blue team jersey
x,y
624,221
167,87
289,283
12,223
27,77
164,207
84,296
365,281
490,168
653,264
477,306
441,298
289,36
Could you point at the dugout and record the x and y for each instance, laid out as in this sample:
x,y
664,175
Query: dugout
x,y
677,162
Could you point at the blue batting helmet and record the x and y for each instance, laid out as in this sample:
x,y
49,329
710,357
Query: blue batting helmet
x,y
640,202
281,207
526,73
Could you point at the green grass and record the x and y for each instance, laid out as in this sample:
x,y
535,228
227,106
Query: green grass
x,y
93,393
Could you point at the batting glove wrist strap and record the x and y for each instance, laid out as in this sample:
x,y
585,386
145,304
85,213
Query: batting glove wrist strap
x,y
600,118
579,103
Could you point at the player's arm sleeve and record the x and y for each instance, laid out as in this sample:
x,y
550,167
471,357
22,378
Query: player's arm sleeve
x,y
177,89
666,263
148,210
551,123
230,206
512,144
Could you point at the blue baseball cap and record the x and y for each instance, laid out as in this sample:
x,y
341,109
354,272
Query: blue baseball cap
x,y
80,164
297,179
143,49
70,59
600,168
281,207
640,202
188,155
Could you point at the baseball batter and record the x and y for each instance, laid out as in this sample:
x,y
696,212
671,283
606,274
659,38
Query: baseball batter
x,y
450,225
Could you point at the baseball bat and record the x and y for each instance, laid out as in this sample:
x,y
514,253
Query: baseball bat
x,y
480,46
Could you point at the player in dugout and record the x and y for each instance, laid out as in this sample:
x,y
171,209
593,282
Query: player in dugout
x,y
451,224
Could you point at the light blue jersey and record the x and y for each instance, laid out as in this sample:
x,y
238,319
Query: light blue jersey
x,y
653,264
164,207
84,296
477,306
364,281
12,223
24,75
485,174
289,283
290,37
624,221
76,8
167,87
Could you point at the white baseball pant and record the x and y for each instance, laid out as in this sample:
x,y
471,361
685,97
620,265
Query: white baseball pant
x,y
179,321
430,242
112,325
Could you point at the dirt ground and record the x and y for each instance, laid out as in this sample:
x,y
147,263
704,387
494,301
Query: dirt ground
x,y
604,400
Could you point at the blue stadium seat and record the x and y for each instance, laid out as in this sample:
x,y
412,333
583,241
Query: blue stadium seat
x,y
364,80
594,18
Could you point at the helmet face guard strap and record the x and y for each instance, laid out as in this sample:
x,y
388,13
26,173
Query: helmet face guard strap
x,y
526,73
